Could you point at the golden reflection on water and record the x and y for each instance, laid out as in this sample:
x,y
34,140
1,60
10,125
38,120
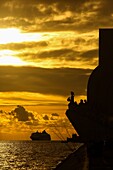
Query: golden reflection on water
x,y
32,155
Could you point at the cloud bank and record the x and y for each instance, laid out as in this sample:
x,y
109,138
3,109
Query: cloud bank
x,y
46,81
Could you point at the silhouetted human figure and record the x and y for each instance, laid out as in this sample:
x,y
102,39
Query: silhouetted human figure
x,y
81,102
75,103
72,97
85,101
72,104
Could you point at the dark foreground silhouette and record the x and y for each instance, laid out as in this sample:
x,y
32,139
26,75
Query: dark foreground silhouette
x,y
93,119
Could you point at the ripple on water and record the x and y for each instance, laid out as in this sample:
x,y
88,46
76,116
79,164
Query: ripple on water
x,y
32,155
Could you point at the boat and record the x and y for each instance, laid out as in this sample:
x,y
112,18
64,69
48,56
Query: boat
x,y
40,136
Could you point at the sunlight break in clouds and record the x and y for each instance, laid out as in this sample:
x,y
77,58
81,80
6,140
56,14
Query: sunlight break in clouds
x,y
14,35
10,60
9,35
7,58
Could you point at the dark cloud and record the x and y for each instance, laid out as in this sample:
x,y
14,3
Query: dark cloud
x,y
89,55
22,114
53,15
69,55
102,15
55,114
53,118
105,9
62,55
48,15
59,81
23,46
45,117
84,42
1,111
66,54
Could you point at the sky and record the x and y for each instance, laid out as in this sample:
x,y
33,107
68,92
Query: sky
x,y
47,49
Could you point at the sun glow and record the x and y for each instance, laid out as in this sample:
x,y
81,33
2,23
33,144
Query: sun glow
x,y
10,60
7,57
14,35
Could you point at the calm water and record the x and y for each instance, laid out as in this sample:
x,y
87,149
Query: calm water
x,y
32,155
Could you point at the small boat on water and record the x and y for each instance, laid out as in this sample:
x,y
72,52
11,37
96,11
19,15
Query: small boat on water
x,y
40,136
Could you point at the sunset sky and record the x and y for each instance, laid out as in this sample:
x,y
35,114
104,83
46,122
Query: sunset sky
x,y
47,49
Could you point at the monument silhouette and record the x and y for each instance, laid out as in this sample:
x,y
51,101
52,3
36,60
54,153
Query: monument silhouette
x,y
94,119
100,84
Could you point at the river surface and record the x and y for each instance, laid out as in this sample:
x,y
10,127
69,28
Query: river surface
x,y
33,155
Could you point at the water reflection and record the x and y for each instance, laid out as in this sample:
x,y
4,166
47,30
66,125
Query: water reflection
x,y
32,155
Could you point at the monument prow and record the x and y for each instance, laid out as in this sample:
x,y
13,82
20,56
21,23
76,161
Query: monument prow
x,y
94,120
